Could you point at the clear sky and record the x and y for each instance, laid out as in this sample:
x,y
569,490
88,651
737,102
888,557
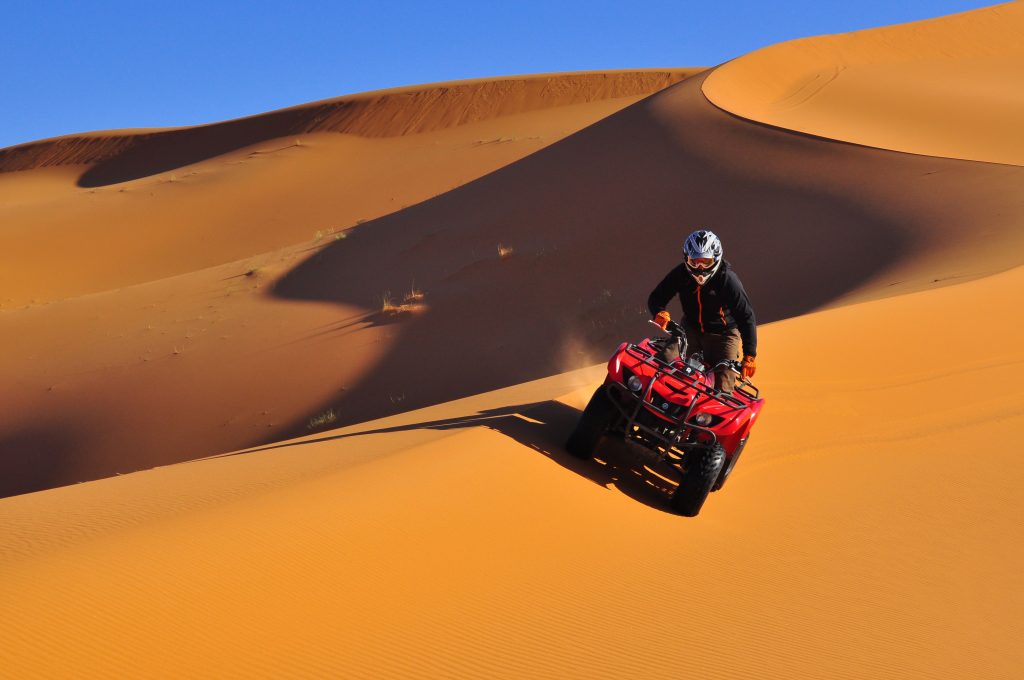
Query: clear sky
x,y
93,65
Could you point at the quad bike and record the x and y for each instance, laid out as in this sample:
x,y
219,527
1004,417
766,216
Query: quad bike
x,y
655,398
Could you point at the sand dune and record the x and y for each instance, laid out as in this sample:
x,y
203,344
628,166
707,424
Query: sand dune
x,y
952,86
134,206
281,339
169,296
114,363
864,534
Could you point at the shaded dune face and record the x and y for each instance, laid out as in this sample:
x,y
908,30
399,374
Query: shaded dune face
x,y
143,331
115,158
598,219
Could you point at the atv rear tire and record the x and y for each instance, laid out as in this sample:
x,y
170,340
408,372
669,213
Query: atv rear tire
x,y
701,473
594,422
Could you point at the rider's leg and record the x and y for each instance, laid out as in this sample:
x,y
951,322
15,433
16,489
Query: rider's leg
x,y
671,351
693,342
728,346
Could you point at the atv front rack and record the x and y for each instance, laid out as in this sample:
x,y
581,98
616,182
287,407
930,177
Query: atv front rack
x,y
658,425
694,379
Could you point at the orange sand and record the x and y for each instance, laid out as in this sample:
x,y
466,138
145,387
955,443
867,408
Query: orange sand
x,y
169,296
867,533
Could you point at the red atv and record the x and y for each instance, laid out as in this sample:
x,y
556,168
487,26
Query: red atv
x,y
653,397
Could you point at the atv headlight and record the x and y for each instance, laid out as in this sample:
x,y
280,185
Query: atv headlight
x,y
707,420
634,384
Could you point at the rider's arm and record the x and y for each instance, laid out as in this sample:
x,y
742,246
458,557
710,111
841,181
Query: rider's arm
x,y
663,292
743,312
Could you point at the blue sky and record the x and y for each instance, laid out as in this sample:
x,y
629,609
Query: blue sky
x,y
78,66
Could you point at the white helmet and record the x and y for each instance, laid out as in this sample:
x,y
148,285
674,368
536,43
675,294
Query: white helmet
x,y
702,253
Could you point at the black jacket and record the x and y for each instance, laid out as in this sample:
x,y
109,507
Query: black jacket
x,y
719,305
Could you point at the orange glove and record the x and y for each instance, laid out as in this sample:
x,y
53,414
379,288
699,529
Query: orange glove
x,y
662,318
749,366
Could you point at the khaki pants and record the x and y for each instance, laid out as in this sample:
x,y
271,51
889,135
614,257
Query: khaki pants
x,y
717,347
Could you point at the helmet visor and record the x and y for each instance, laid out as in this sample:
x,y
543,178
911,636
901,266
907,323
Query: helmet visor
x,y
700,263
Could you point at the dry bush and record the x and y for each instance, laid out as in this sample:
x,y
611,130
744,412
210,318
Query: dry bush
x,y
325,418
414,295
388,305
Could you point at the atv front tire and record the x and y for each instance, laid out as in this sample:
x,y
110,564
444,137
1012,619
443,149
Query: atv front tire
x,y
594,422
729,465
701,474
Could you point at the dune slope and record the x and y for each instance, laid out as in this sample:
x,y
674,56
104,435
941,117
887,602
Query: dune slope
x,y
100,211
951,86
863,534
595,222
263,348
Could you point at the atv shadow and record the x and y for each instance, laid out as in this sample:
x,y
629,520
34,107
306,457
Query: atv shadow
x,y
543,427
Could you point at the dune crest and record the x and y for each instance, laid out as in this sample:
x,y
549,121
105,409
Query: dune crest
x,y
951,86
125,155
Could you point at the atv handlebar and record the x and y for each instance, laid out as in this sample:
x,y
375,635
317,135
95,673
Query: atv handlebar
x,y
672,328
734,366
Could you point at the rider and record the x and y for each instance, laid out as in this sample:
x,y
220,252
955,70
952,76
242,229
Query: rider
x,y
717,316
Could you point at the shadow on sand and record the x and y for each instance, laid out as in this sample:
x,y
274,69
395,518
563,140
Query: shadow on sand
x,y
35,459
543,427
594,219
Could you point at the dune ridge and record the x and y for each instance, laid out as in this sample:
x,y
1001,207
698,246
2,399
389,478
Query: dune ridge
x,y
951,86
386,113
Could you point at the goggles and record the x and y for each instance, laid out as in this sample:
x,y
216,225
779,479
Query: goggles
x,y
700,263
